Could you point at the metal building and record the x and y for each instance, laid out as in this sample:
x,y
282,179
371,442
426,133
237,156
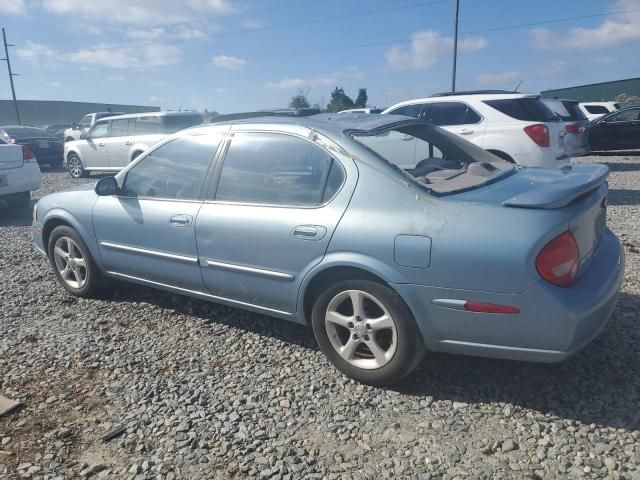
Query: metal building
x,y
45,112
597,92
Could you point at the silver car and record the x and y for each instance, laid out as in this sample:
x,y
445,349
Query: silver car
x,y
315,220
111,143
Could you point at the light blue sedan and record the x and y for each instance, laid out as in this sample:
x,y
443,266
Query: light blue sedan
x,y
330,221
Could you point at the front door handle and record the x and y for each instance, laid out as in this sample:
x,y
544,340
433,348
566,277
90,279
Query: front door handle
x,y
181,220
466,131
128,142
309,232
101,144
407,138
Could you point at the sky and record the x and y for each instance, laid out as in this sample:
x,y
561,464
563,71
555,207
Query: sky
x,y
243,55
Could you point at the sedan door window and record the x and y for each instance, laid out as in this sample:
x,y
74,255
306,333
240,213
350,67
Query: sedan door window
x,y
277,169
174,170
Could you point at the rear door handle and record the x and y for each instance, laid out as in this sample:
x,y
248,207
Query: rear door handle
x,y
181,220
128,142
466,131
407,138
101,144
309,232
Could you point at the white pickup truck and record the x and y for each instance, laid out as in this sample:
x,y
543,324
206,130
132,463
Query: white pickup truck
x,y
88,121
19,175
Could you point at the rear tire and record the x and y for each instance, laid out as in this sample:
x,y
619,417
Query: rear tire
x,y
72,263
367,331
75,167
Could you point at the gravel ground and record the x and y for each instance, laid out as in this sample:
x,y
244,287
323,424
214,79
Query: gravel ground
x,y
189,389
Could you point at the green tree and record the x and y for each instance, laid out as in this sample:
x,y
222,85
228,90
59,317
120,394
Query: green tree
x,y
339,101
361,99
299,100
627,100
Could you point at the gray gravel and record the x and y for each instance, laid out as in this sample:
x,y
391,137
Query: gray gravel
x,y
142,384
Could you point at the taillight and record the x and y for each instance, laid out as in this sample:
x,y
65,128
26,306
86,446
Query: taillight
x,y
12,140
539,133
558,261
572,128
27,154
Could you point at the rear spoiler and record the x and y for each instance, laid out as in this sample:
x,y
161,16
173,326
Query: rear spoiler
x,y
577,180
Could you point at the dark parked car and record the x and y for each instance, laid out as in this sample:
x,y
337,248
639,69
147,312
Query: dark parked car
x,y
619,130
45,146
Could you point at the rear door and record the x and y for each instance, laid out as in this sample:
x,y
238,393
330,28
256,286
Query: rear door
x,y
624,129
278,199
119,143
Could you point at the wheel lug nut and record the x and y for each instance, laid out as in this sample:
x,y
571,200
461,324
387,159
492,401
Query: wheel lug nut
x,y
366,337
355,337
367,326
350,324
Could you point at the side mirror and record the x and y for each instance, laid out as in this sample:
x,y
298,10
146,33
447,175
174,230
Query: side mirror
x,y
107,186
74,126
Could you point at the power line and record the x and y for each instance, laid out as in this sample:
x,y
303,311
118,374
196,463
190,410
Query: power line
x,y
339,48
257,29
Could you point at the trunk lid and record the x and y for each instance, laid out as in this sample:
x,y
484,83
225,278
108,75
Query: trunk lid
x,y
578,194
10,156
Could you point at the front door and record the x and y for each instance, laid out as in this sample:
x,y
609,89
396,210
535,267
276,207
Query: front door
x,y
278,201
94,147
147,232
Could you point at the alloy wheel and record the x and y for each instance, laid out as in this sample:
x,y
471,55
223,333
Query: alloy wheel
x,y
361,329
75,166
70,263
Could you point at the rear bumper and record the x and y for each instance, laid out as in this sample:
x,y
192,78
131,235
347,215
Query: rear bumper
x,y
542,158
553,323
26,178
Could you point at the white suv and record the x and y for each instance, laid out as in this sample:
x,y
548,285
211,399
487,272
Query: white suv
x,y
113,142
517,127
595,110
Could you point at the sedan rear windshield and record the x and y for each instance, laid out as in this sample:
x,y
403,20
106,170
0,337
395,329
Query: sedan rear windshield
x,y
528,109
434,158
22,133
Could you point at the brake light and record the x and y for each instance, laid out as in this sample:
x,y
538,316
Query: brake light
x,y
539,133
483,307
27,154
558,261
12,140
572,128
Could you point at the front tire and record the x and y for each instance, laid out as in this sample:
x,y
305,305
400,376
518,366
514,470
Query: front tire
x,y
72,263
75,167
367,331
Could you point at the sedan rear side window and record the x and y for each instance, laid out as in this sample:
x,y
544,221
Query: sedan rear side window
x,y
174,170
526,109
277,169
451,113
625,116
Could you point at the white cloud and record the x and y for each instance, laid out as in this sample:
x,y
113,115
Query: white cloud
x,y
116,78
252,23
13,7
229,62
154,99
311,82
501,79
137,12
180,32
104,55
54,84
426,49
621,28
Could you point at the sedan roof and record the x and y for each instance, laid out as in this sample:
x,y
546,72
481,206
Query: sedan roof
x,y
329,123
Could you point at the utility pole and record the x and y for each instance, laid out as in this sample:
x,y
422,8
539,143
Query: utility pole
x,y
11,74
455,48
